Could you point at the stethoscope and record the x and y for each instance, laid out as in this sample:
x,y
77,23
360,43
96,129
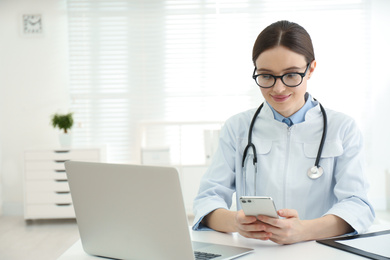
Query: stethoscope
x,y
313,173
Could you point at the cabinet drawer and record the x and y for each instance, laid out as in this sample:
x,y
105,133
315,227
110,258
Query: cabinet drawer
x,y
49,198
44,165
80,154
53,186
46,175
49,211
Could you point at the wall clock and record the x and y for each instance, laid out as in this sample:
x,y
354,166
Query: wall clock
x,y
32,24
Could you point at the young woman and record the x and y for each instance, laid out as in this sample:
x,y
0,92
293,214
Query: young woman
x,y
316,198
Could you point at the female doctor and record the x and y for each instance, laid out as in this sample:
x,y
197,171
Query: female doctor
x,y
315,199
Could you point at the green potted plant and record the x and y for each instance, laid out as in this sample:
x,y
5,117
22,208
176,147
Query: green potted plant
x,y
64,122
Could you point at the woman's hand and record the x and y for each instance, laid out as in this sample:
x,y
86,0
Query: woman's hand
x,y
285,231
291,229
251,227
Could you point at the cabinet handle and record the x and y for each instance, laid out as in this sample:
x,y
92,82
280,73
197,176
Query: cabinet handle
x,y
60,161
61,151
60,171
59,180
63,204
62,192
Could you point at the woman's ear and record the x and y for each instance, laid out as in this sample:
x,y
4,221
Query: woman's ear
x,y
312,68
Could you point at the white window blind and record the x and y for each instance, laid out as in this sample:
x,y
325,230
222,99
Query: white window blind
x,y
190,60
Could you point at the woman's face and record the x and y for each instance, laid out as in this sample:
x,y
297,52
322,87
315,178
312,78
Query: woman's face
x,y
279,61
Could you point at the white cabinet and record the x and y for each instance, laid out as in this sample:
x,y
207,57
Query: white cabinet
x,y
46,190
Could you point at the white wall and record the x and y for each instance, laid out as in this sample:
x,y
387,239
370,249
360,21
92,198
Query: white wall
x,y
33,86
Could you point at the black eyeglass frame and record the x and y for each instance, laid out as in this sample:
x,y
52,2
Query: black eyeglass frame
x,y
281,77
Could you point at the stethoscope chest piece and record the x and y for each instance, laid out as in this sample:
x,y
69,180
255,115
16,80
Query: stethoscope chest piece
x,y
315,172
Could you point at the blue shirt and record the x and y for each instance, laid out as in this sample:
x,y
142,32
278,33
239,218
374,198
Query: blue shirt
x,y
299,116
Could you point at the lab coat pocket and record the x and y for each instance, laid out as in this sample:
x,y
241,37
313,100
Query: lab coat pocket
x,y
330,151
263,146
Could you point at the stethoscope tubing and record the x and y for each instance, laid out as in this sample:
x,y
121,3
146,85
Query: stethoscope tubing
x,y
250,144
323,138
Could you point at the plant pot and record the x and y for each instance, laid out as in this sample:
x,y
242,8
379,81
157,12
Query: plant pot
x,y
65,139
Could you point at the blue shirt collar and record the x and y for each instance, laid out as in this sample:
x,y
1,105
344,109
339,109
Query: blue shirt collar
x,y
299,116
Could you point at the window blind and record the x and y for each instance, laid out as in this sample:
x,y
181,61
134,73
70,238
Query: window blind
x,y
190,60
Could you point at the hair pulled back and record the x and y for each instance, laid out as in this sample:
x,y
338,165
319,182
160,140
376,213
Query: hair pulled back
x,y
287,34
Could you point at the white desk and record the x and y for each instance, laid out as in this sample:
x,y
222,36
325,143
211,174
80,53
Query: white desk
x,y
263,249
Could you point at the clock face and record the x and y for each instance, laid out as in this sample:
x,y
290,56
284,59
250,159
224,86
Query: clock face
x,y
32,24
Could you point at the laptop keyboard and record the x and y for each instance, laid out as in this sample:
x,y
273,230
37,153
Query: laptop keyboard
x,y
204,256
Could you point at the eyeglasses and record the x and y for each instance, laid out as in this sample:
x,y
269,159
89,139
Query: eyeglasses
x,y
293,79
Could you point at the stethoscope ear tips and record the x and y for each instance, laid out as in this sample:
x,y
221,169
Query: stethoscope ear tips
x,y
315,172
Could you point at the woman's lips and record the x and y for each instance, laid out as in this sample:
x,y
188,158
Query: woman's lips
x,y
280,98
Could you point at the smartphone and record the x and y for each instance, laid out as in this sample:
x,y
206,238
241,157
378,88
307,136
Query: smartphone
x,y
255,205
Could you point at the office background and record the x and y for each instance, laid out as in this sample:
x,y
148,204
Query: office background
x,y
188,61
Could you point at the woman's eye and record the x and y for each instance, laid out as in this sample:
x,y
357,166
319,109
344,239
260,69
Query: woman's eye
x,y
291,75
265,77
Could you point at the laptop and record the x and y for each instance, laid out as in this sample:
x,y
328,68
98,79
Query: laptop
x,y
135,212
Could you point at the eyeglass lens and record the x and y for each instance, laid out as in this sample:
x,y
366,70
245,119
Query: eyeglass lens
x,y
290,80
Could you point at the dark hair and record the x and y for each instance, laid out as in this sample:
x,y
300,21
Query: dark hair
x,y
287,34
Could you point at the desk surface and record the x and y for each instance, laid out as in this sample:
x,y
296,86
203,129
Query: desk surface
x,y
262,249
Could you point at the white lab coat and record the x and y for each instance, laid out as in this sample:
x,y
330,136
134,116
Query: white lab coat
x,y
284,156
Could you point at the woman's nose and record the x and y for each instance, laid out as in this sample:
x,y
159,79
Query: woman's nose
x,y
279,86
